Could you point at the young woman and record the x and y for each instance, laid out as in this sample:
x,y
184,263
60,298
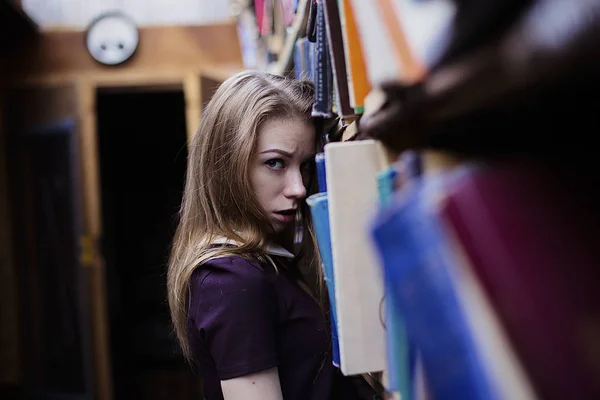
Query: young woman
x,y
242,292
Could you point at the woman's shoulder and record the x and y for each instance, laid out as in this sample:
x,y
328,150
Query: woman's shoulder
x,y
229,272
230,283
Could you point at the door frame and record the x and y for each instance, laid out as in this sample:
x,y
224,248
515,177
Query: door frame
x,y
92,257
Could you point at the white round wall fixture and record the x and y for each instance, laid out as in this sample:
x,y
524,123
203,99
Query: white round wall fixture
x,y
112,38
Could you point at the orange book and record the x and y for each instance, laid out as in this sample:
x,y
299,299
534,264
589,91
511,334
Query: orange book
x,y
358,82
419,33
412,68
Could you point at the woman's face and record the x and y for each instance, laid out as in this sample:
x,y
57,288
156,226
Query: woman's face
x,y
281,166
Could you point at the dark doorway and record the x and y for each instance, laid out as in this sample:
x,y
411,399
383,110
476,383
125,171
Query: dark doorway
x,y
142,144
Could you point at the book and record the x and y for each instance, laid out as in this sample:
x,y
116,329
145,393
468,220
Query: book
x,y
426,28
500,360
319,209
351,169
321,174
532,242
338,58
303,59
411,67
322,72
411,244
398,348
358,82
375,43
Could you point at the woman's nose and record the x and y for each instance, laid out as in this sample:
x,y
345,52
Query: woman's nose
x,y
294,185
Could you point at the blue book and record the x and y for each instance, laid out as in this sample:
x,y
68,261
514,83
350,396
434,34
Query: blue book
x,y
411,165
415,257
319,209
385,185
311,49
398,358
302,59
321,176
322,72
298,64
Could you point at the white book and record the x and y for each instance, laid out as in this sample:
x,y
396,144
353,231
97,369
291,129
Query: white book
x,y
351,169
426,26
376,45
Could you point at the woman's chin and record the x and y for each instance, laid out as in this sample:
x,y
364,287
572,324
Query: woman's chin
x,y
281,227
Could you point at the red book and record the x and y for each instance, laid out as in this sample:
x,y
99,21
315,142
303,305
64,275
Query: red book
x,y
534,246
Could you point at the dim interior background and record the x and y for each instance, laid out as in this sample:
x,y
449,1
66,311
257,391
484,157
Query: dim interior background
x,y
92,175
92,162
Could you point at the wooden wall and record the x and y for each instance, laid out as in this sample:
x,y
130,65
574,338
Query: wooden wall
x,y
182,56
167,52
23,109
9,333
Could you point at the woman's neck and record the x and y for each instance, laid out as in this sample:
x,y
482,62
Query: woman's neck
x,y
284,239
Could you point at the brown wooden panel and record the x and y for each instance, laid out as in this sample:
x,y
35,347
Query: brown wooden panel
x,y
198,90
34,106
10,365
55,78
91,257
191,91
95,275
23,109
167,48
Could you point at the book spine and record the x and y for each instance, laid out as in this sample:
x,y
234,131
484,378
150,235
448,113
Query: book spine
x,y
338,58
412,249
322,69
321,173
319,209
533,247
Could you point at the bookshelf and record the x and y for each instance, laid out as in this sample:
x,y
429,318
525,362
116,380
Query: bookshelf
x,y
468,100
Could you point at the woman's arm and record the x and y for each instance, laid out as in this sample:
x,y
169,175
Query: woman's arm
x,y
263,385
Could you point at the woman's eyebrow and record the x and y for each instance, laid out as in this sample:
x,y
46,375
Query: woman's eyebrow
x,y
278,151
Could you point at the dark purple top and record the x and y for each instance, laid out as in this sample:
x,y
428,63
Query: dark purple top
x,y
245,318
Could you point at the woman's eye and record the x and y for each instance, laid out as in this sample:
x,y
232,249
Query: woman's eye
x,y
275,163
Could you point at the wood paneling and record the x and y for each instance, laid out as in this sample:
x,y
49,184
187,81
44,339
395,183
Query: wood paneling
x,y
86,111
206,83
92,259
23,109
10,365
32,106
168,51
56,78
191,91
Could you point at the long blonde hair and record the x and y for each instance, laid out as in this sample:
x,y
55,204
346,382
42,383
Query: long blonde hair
x,y
218,200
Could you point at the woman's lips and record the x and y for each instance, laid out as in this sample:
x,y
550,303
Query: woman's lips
x,y
285,216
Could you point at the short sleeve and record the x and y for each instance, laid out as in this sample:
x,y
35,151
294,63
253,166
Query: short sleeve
x,y
236,316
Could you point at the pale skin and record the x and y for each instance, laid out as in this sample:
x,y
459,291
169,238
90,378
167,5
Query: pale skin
x,y
279,173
